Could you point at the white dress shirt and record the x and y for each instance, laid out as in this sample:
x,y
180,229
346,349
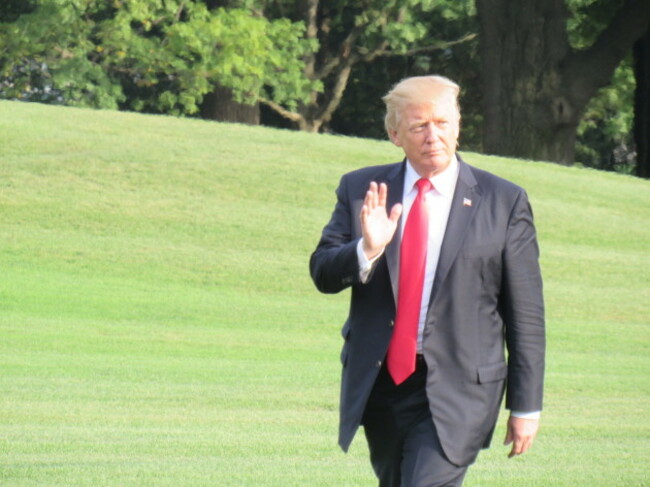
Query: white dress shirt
x,y
438,201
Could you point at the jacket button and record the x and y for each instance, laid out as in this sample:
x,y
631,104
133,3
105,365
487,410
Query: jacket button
x,y
391,323
378,364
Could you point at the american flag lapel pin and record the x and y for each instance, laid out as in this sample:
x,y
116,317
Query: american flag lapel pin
x,y
467,202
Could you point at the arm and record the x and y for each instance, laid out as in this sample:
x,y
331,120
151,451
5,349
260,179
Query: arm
x,y
523,309
332,267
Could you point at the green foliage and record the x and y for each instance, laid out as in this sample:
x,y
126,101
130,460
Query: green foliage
x,y
604,139
587,18
392,22
400,25
362,111
149,55
164,55
350,35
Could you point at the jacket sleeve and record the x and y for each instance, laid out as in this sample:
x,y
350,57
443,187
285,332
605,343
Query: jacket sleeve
x,y
334,264
523,311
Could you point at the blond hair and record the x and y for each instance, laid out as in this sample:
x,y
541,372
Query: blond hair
x,y
414,90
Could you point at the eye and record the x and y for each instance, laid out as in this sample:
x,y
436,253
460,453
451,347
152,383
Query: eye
x,y
417,129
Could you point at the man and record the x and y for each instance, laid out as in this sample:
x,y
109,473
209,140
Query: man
x,y
442,259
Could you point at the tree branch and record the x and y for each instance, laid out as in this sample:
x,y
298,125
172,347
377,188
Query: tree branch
x,y
336,93
309,14
345,52
606,53
369,55
293,116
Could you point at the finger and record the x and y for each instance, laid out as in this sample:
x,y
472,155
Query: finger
x,y
372,188
508,438
395,212
526,444
383,191
520,445
516,448
373,195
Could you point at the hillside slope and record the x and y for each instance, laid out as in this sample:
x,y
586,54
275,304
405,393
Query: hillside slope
x,y
159,326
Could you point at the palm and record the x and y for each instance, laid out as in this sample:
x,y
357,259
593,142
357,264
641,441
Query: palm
x,y
377,225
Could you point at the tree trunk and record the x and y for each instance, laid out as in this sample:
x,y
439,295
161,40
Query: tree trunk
x,y
314,117
310,124
642,106
220,105
535,86
521,45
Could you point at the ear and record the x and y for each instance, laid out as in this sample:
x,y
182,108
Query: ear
x,y
394,138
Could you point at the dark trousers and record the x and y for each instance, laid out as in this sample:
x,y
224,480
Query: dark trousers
x,y
402,438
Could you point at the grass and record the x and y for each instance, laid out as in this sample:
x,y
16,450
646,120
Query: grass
x,y
159,328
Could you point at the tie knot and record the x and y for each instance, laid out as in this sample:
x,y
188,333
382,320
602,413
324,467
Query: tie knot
x,y
423,185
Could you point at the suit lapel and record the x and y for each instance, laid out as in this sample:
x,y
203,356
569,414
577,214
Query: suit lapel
x,y
464,205
395,183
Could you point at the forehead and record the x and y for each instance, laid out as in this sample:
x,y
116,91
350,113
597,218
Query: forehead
x,y
439,108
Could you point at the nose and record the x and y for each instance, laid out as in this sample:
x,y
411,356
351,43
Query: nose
x,y
432,132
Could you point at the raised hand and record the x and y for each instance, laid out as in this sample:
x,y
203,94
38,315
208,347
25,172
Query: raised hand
x,y
377,225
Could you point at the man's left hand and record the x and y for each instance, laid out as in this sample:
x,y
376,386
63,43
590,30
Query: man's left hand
x,y
520,432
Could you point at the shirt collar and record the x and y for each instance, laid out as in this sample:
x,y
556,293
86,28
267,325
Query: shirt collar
x,y
444,182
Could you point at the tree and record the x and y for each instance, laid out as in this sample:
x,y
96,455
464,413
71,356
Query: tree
x,y
604,134
362,111
642,105
349,34
536,86
221,102
149,55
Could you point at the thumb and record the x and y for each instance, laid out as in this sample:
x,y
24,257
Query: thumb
x,y
395,212
508,438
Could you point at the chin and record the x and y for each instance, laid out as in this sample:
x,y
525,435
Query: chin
x,y
438,164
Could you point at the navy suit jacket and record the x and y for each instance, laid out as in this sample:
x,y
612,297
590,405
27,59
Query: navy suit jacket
x,y
486,300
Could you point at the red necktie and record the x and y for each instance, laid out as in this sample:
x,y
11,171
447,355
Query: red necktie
x,y
413,256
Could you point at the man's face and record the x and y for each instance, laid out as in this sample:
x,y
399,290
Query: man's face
x,y
428,133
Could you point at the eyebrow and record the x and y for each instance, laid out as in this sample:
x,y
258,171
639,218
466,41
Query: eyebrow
x,y
423,121
419,122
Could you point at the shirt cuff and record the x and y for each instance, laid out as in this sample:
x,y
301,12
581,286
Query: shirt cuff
x,y
365,265
526,415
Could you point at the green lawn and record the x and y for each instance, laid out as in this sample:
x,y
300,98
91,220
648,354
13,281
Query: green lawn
x,y
158,326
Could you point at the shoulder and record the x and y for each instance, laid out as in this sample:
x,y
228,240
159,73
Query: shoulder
x,y
488,182
373,173
355,183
